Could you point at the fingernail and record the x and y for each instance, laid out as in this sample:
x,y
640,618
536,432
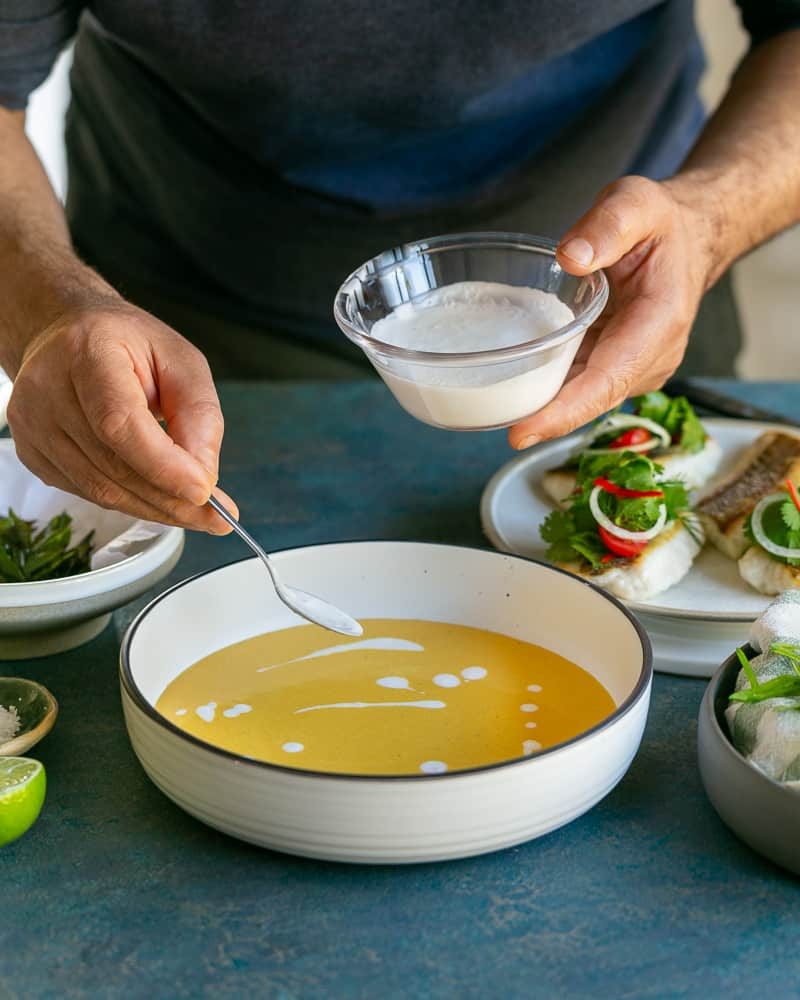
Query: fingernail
x,y
527,442
579,250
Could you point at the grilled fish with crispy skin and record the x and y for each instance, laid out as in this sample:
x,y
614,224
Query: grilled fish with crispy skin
x,y
665,562
772,458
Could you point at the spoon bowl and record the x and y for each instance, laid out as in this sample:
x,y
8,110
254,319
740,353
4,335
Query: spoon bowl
x,y
306,605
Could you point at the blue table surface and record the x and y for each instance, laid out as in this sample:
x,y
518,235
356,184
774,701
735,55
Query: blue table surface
x,y
117,893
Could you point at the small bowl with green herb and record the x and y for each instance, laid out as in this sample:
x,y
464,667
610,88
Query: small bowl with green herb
x,y
748,740
27,714
66,564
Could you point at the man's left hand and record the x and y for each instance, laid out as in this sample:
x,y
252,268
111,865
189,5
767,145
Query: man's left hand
x,y
654,242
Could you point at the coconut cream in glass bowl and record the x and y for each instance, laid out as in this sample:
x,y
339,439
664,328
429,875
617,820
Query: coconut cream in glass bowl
x,y
470,332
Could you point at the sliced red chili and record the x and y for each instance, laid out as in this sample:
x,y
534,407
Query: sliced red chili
x,y
636,435
620,491
621,546
793,493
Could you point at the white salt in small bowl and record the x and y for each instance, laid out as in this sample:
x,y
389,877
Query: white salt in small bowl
x,y
470,389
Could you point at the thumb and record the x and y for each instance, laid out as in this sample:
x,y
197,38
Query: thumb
x,y
190,406
625,214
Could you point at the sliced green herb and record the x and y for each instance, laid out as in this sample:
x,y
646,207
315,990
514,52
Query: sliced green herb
x,y
785,686
676,415
27,555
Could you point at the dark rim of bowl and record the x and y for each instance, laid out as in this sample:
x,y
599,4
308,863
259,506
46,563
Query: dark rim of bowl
x,y
454,241
132,689
720,687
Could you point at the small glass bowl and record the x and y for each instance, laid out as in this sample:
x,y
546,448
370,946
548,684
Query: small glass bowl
x,y
476,390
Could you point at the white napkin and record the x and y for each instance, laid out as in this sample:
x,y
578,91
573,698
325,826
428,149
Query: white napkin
x,y
116,536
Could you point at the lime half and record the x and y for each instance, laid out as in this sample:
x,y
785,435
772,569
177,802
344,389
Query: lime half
x,y
22,788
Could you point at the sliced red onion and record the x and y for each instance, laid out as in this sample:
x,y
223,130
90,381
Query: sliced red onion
x,y
618,421
614,529
757,524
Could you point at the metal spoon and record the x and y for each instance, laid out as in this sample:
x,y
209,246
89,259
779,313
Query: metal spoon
x,y
313,609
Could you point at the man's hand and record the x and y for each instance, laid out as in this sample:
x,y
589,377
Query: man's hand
x,y
655,248
85,412
664,244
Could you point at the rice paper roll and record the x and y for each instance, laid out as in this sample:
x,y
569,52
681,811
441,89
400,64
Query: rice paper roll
x,y
767,732
779,623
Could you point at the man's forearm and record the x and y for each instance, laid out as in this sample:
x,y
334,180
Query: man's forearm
x,y
743,175
40,276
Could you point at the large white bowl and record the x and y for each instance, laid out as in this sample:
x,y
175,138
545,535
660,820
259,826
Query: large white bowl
x,y
39,619
388,819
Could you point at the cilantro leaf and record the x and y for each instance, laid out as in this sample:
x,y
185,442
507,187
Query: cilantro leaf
x,y
653,406
790,515
775,522
27,555
676,416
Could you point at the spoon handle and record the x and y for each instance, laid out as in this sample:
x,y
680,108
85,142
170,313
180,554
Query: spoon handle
x,y
225,514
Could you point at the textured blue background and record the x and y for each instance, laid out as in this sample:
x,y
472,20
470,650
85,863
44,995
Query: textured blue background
x,y
116,893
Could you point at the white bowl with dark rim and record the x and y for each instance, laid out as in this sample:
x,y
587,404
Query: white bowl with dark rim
x,y
392,819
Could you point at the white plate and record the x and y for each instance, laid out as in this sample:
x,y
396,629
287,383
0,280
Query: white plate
x,y
388,819
694,624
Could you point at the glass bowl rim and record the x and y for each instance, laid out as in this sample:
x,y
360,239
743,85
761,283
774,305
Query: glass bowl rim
x,y
454,241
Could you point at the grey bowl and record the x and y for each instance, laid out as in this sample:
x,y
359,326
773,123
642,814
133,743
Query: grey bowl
x,y
763,812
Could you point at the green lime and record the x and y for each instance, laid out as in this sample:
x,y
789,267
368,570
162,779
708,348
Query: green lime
x,y
22,788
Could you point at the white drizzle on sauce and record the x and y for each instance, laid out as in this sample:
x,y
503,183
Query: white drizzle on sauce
x,y
293,747
395,683
374,704
433,767
446,681
531,746
236,710
528,707
207,712
474,673
384,642
536,688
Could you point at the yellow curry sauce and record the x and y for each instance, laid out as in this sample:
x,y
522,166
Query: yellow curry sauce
x,y
408,697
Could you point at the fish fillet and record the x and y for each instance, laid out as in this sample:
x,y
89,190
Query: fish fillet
x,y
665,562
768,575
761,469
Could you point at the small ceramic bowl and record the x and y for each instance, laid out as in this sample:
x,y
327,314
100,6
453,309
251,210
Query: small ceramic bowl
x,y
388,819
38,619
470,390
37,710
763,812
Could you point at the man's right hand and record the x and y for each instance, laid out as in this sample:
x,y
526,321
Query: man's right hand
x,y
85,411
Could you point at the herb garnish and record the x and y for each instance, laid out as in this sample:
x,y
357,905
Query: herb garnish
x,y
676,416
785,686
573,534
27,554
781,524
